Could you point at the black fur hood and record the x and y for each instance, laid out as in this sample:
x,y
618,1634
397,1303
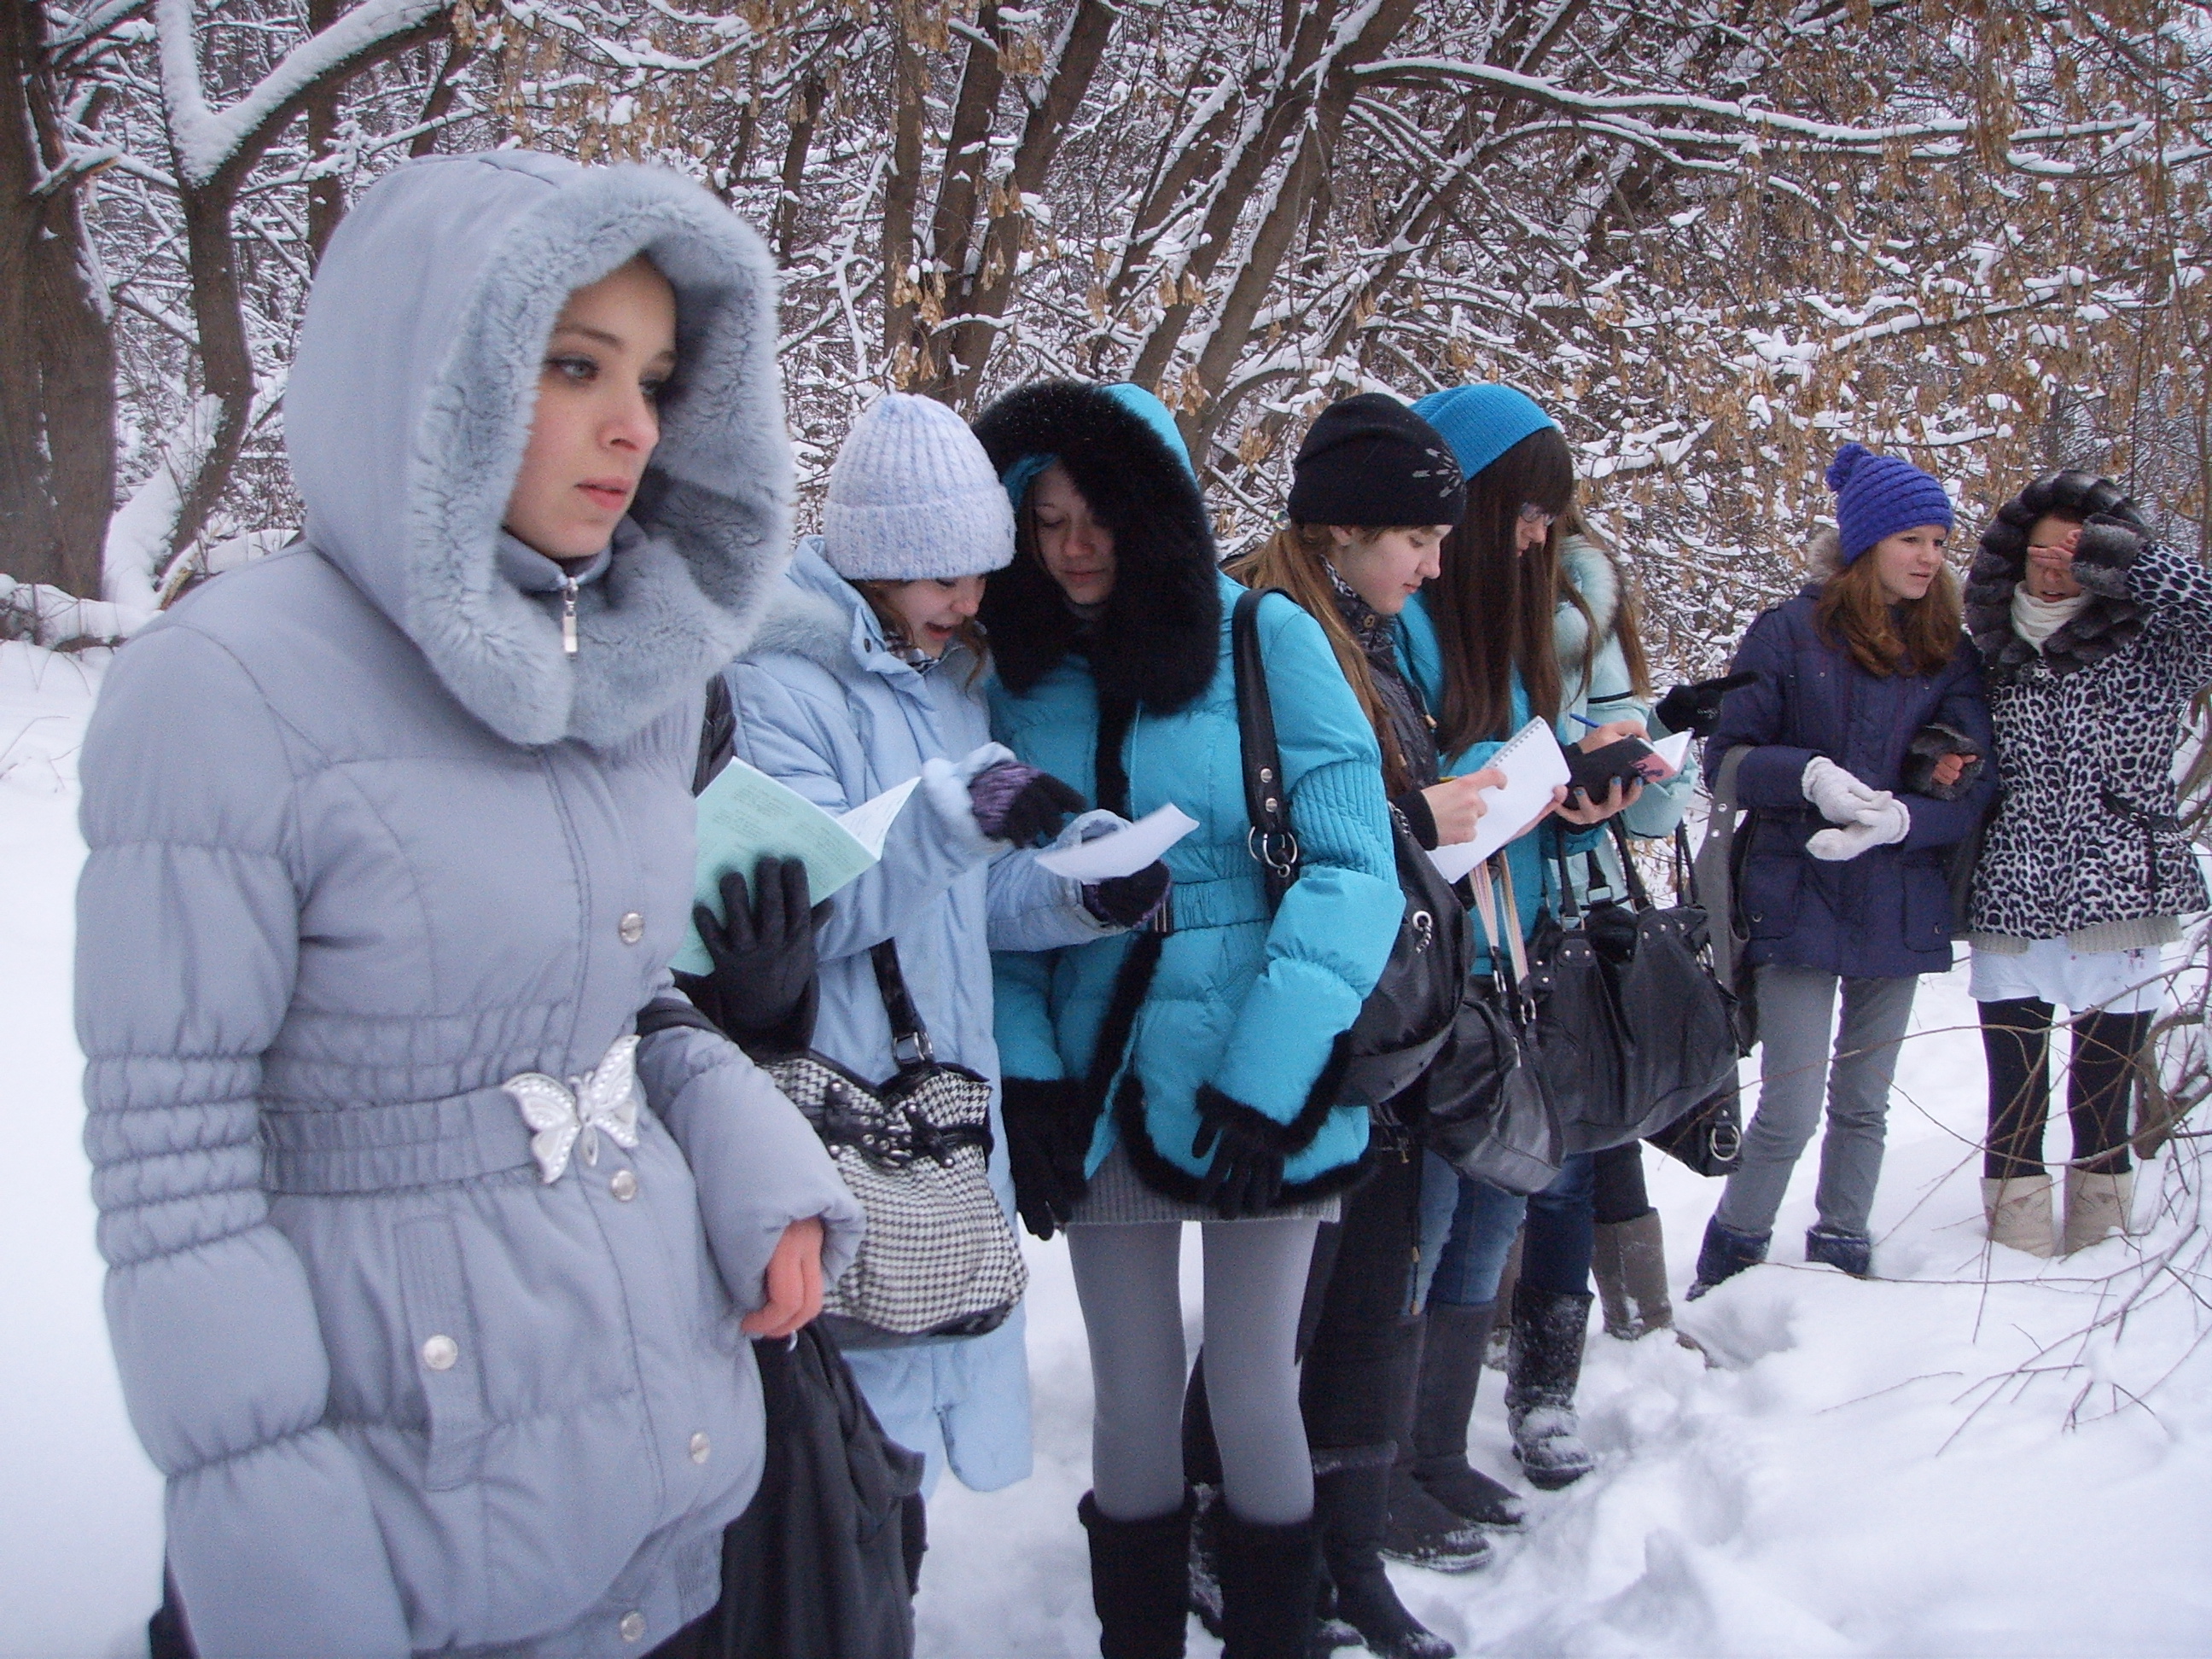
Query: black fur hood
x,y
1158,641
2112,540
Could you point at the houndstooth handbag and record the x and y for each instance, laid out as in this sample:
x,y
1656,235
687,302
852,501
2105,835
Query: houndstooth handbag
x,y
938,1258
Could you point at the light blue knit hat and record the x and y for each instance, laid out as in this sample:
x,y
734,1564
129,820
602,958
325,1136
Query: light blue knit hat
x,y
912,496
1878,496
1481,422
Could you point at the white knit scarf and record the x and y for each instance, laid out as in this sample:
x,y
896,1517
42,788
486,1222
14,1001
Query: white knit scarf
x,y
2036,620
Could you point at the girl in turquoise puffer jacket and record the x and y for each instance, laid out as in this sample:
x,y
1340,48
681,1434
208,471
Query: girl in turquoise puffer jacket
x,y
1187,1071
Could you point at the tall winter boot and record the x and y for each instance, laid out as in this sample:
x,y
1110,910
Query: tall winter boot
x,y
1544,1363
1434,1458
1629,1261
2097,1206
1139,1581
1508,1277
1270,1583
2018,1211
1350,1504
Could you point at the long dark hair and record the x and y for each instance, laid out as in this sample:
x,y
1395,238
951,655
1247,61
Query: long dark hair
x,y
1493,606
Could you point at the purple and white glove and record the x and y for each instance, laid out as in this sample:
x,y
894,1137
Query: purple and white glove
x,y
1017,803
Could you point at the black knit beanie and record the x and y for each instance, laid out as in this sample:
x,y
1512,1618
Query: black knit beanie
x,y
1370,462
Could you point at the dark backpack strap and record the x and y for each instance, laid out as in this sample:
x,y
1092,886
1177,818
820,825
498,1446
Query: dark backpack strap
x,y
910,1045
1270,839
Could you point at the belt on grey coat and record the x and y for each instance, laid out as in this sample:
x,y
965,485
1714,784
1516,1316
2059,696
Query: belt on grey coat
x,y
373,1149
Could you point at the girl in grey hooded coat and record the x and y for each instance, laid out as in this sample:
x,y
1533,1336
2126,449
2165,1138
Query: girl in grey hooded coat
x,y
427,1369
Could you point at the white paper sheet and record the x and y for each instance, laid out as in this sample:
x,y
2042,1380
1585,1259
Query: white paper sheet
x,y
746,815
1123,852
1674,750
1534,765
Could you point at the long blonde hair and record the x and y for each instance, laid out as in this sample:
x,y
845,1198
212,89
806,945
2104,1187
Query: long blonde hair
x,y
1295,560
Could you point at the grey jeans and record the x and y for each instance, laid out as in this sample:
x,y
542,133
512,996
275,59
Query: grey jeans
x,y
1128,1280
1796,1006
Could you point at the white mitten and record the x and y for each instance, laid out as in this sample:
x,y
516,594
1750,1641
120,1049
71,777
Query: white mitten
x,y
1887,820
1841,798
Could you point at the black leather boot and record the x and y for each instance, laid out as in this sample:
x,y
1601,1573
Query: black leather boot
x,y
1270,1584
1543,1365
1351,1505
1434,1458
1139,1581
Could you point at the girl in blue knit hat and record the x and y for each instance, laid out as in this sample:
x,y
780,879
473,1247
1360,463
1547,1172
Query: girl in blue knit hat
x,y
1859,754
1530,618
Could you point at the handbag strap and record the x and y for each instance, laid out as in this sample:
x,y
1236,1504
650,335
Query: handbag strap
x,y
1630,876
1270,839
1713,872
910,1044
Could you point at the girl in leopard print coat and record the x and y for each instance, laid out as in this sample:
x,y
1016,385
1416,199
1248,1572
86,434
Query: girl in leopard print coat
x,y
2094,637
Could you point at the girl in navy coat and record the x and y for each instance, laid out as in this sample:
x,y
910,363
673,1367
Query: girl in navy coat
x,y
1861,745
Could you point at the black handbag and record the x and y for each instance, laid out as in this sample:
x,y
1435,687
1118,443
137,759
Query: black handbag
x,y
1635,1031
1490,1113
1709,1137
1408,1016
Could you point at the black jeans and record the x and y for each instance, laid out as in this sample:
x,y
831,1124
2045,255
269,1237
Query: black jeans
x,y
2016,1041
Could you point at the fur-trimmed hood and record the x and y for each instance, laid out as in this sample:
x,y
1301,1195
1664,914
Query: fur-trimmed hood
x,y
1159,639
410,406
2112,540
1588,569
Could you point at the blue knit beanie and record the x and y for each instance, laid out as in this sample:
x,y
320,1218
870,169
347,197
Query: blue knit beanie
x,y
1143,404
912,496
1878,496
1481,422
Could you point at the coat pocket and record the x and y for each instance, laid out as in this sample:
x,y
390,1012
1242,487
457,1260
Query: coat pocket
x,y
446,1349
1771,891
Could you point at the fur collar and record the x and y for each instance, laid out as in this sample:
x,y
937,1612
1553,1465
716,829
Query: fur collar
x,y
409,408
1159,640
1588,569
2109,623
811,614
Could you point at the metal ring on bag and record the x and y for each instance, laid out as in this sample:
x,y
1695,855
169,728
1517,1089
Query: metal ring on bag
x,y
1726,1140
1264,848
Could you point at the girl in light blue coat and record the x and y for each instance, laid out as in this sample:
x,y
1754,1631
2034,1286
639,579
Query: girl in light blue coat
x,y
869,672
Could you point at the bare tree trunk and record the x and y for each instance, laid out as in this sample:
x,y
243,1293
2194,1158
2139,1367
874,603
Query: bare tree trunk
x,y
901,191
325,195
806,112
58,376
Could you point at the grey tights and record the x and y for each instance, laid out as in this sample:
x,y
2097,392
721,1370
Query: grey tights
x,y
1128,1281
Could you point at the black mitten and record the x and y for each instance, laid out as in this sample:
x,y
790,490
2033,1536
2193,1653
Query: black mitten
x,y
1931,743
1125,901
1048,1140
760,990
1696,707
1245,1175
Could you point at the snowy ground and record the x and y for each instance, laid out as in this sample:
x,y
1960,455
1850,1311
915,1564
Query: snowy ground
x,y
1828,1486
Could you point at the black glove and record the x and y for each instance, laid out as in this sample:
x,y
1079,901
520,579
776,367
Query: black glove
x,y
1018,803
1245,1175
1125,901
1048,1140
760,989
1696,707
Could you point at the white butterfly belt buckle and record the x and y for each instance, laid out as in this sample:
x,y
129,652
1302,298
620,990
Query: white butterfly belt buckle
x,y
560,1114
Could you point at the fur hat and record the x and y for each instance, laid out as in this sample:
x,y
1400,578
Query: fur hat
x,y
1161,627
913,495
1878,496
1370,461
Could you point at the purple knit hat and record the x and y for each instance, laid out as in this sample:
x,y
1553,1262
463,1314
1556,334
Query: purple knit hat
x,y
1878,496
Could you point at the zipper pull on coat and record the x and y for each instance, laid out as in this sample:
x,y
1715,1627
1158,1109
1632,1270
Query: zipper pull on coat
x,y
568,614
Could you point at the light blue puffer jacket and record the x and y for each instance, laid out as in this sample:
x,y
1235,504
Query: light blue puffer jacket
x,y
1252,1007
824,705
365,843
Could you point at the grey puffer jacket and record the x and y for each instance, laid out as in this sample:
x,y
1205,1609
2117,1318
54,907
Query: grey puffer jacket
x,y
365,844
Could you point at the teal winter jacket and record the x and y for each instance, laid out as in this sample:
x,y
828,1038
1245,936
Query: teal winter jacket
x,y
1252,1006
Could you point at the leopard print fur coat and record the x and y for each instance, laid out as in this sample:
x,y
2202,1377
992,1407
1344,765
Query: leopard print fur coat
x,y
2085,843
